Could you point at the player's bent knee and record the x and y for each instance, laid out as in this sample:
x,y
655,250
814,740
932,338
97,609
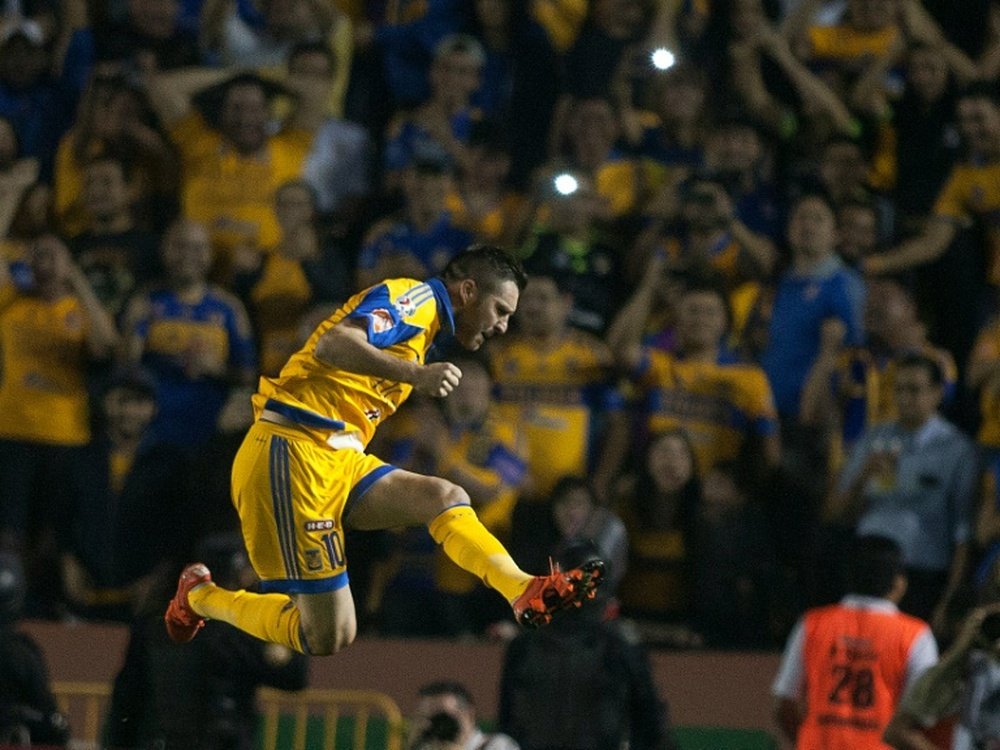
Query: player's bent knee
x,y
448,494
322,641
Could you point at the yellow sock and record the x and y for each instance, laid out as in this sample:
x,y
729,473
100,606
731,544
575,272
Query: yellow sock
x,y
270,617
469,544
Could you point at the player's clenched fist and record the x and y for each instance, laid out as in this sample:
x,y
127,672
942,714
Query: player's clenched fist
x,y
437,379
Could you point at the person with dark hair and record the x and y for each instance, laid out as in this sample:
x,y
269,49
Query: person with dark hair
x,y
28,714
913,479
846,665
302,476
580,519
658,505
49,336
556,382
221,126
421,240
969,195
446,712
700,386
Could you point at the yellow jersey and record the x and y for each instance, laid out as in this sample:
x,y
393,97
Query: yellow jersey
x,y
555,395
720,404
971,193
493,455
233,194
43,394
402,316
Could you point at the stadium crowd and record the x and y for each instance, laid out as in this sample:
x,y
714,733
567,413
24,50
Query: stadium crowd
x,y
763,241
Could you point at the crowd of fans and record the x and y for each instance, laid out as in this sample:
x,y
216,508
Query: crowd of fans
x,y
764,253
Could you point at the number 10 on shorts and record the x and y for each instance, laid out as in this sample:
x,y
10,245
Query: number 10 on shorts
x,y
334,546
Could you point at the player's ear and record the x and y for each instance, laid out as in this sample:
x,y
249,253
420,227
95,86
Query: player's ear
x,y
468,290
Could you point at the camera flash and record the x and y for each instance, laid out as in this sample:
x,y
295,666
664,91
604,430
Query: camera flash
x,y
566,184
663,59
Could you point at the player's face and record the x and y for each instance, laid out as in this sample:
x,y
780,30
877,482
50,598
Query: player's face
x,y
486,314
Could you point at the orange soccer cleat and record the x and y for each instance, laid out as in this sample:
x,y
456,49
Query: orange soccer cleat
x,y
183,623
559,590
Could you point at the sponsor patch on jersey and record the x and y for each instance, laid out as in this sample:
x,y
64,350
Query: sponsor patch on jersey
x,y
382,320
314,559
321,525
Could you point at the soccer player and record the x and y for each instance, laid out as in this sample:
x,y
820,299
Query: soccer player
x,y
302,474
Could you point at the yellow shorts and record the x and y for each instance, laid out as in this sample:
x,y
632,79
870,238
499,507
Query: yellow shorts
x,y
291,495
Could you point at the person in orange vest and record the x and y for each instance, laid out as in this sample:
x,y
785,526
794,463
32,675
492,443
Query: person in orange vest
x,y
847,665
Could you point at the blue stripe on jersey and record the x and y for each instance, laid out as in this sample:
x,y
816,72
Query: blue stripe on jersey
x,y
276,502
303,416
286,497
310,586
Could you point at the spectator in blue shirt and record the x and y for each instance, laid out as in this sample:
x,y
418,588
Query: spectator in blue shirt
x,y
818,286
193,337
39,106
445,120
914,480
424,239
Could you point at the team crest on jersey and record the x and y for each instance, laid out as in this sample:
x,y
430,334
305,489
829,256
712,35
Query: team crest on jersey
x,y
314,559
373,414
382,320
404,305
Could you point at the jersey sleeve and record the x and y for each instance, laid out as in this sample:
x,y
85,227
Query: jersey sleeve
x,y
389,323
790,679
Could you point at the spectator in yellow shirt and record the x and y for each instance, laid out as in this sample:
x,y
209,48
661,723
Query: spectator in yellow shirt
x,y
231,164
47,336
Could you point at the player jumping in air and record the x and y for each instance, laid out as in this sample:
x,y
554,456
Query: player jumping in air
x,y
302,475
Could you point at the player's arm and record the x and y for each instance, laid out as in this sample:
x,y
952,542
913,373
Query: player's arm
x,y
788,685
345,346
928,246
